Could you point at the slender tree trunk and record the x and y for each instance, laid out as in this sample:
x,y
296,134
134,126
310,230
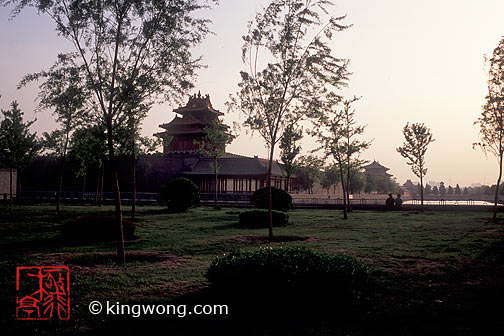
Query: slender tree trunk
x,y
83,188
345,213
494,218
102,181
60,184
421,191
216,184
347,187
62,169
270,196
19,184
98,172
121,257
133,178
11,203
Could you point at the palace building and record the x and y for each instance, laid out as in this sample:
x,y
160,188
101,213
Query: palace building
x,y
376,169
237,173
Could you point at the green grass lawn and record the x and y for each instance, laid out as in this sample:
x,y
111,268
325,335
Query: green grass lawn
x,y
432,271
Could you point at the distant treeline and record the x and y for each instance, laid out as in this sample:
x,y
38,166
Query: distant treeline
x,y
152,172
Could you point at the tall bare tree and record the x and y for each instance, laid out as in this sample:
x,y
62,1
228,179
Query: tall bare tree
x,y
417,138
291,69
491,121
130,52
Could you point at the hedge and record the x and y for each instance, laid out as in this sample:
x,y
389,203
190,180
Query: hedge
x,y
281,200
259,218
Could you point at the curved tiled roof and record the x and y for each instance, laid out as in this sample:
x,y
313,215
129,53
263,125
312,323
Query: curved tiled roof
x,y
375,165
235,165
198,103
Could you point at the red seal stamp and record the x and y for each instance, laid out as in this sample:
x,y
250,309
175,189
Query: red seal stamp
x,y
43,292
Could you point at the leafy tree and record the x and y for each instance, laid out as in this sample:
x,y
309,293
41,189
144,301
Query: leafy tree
x,y
491,121
17,144
336,134
353,145
428,189
442,189
130,53
134,145
417,138
381,184
289,149
62,91
450,190
357,180
435,190
308,171
213,145
330,178
89,150
291,69
457,191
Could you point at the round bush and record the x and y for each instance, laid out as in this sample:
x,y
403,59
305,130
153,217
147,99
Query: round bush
x,y
179,195
294,272
281,199
96,228
259,219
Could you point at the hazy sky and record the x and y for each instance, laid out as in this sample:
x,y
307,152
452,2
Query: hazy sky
x,y
412,61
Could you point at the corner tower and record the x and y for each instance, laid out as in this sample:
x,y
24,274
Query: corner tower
x,y
195,115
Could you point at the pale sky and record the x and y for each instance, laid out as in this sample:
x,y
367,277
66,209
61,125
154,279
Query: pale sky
x,y
412,61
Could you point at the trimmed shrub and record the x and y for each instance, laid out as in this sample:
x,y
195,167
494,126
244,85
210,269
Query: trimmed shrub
x,y
294,273
258,219
179,195
281,199
96,228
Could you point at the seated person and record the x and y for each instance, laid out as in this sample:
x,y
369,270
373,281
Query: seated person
x,y
389,203
398,202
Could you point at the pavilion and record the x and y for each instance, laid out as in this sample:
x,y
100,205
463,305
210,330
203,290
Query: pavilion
x,y
237,173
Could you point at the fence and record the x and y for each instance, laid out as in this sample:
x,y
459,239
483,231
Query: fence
x,y
240,200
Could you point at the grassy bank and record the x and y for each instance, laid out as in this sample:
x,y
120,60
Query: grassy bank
x,y
432,271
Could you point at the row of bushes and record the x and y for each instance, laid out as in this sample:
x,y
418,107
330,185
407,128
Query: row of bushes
x,y
181,194
104,228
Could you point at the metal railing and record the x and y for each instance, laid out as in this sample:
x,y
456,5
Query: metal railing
x,y
241,199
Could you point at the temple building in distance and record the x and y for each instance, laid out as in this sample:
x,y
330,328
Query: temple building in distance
x,y
376,169
237,173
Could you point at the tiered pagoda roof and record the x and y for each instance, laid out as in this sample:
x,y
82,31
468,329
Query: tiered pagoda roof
x,y
375,168
199,103
197,114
